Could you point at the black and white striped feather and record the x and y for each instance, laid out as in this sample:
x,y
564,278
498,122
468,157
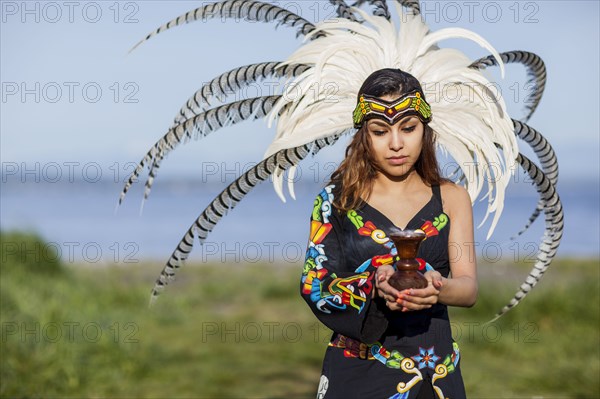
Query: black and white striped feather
x,y
151,176
228,199
225,84
232,82
536,73
251,10
380,8
412,5
548,161
343,10
554,217
200,126
541,147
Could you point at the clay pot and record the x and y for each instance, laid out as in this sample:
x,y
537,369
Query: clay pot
x,y
407,273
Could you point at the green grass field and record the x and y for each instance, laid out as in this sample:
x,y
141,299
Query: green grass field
x,y
244,332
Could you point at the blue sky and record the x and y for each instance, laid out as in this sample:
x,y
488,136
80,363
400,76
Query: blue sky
x,y
72,95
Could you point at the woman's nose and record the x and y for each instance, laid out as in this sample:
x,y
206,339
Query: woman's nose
x,y
396,141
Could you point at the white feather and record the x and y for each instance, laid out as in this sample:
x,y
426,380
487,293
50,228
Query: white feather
x,y
290,176
278,185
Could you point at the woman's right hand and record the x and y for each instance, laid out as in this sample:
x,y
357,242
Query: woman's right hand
x,y
384,289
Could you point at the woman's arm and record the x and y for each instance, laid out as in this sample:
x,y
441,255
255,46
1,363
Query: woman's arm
x,y
461,288
338,291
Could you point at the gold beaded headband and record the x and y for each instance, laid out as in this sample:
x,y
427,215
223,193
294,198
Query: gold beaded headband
x,y
391,111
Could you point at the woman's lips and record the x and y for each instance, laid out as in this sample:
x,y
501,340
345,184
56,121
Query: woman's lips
x,y
399,160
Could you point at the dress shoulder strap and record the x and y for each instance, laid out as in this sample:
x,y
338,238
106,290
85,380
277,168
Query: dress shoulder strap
x,y
437,194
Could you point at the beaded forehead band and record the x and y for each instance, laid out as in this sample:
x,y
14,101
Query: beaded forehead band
x,y
391,111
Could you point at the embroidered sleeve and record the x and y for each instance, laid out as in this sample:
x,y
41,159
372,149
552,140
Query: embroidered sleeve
x,y
338,289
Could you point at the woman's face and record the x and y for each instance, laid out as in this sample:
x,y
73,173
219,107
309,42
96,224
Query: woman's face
x,y
396,148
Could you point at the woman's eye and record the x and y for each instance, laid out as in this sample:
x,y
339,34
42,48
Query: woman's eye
x,y
409,128
378,132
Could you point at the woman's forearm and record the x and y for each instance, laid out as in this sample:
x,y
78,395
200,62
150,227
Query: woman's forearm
x,y
459,291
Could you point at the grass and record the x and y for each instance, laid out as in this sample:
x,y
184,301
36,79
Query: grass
x,y
243,332
548,346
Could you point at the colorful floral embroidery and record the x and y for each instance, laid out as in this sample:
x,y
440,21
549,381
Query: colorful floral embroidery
x,y
426,358
351,291
432,228
376,234
339,293
429,229
355,218
318,231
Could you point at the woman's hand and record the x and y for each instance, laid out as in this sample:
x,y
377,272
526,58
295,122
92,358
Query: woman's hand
x,y
422,298
384,290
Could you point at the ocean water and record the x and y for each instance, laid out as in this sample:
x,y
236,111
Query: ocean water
x,y
78,219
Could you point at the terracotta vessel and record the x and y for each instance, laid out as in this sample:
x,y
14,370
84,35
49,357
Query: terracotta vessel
x,y
407,273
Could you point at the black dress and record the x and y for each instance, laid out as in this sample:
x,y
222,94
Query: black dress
x,y
375,352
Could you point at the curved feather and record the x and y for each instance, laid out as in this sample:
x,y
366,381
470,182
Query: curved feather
x,y
548,161
541,147
224,84
228,199
201,125
532,218
536,73
343,10
553,212
460,33
380,7
412,5
251,10
233,81
151,176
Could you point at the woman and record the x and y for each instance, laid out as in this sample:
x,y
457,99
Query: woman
x,y
388,343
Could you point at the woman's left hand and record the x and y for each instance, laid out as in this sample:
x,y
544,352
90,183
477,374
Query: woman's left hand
x,y
422,298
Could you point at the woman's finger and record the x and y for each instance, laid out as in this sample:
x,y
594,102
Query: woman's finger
x,y
407,306
421,292
392,305
388,289
430,299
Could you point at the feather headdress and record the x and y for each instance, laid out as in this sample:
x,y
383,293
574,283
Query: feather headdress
x,y
316,105
469,126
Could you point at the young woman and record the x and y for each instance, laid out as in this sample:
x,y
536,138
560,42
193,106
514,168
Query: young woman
x,y
387,343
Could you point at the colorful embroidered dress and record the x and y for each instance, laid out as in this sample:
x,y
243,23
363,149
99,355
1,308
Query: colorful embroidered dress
x,y
374,352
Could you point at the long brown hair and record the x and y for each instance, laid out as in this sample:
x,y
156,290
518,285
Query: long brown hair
x,y
356,174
